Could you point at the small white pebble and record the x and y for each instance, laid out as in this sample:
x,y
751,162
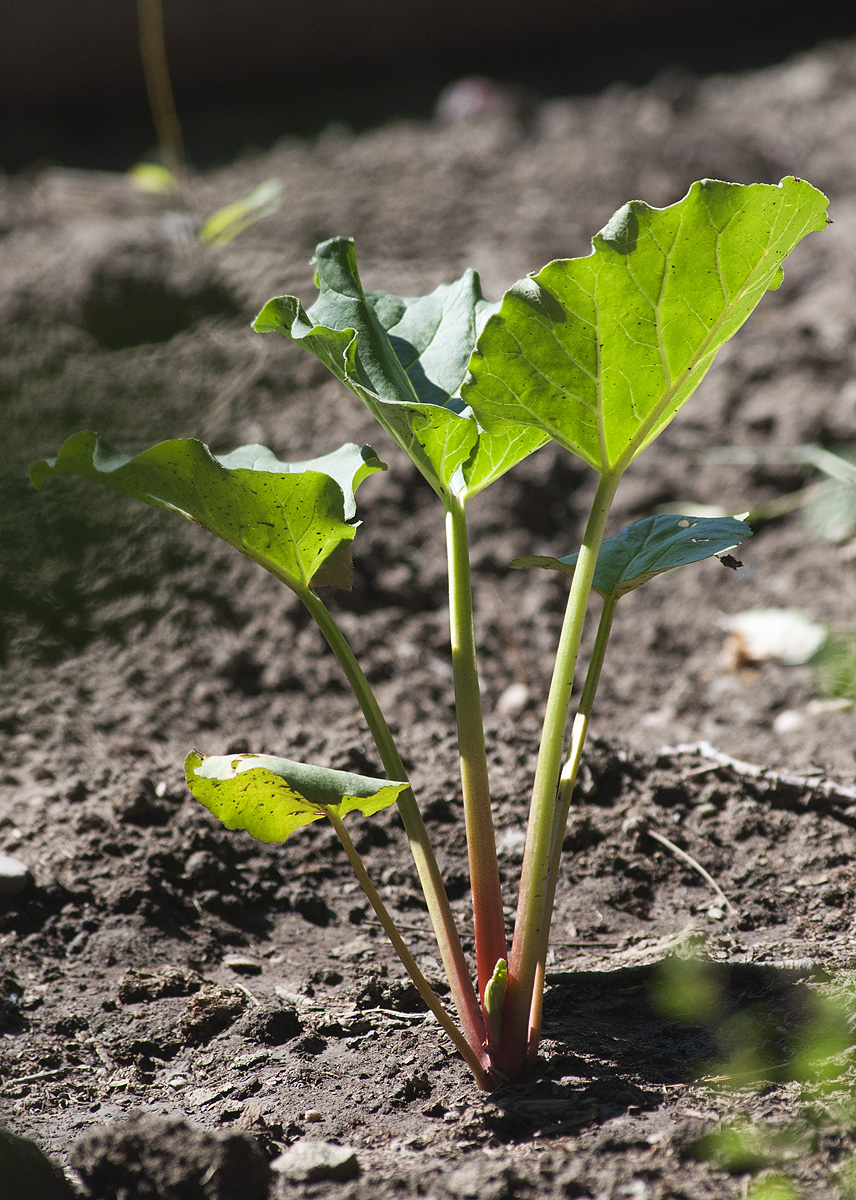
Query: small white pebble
x,y
308,1161
241,964
14,875
313,1115
790,721
513,700
511,843
781,633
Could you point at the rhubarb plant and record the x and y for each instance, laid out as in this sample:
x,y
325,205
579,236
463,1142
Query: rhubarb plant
x,y
596,353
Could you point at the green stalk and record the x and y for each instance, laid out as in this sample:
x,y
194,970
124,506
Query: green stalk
x,y
472,1058
512,1055
566,790
488,919
158,85
445,929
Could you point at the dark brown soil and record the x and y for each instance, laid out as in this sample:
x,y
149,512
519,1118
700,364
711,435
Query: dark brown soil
x,y
179,1005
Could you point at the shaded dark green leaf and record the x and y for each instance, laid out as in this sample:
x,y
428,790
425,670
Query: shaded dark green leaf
x,y
406,359
648,548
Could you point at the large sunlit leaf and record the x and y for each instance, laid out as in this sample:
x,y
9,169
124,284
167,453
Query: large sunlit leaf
x,y
601,352
648,548
270,797
295,519
406,360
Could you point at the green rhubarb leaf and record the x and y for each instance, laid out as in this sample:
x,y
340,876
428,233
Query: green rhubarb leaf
x,y
270,797
406,360
601,352
295,519
648,548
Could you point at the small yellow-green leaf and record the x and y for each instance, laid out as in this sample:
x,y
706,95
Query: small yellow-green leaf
x,y
270,797
494,998
153,178
230,220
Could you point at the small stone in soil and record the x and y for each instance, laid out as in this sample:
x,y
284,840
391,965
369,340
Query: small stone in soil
x,y
211,1011
487,1181
242,965
14,875
137,986
513,700
310,1162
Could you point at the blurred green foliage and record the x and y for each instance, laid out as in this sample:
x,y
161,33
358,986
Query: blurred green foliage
x,y
836,666
801,1036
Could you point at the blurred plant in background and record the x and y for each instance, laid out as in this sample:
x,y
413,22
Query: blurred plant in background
x,y
801,1038
168,176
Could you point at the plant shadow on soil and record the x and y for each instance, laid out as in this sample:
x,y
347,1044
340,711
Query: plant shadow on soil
x,y
612,1049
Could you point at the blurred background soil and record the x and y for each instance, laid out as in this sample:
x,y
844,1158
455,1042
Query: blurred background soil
x,y
72,86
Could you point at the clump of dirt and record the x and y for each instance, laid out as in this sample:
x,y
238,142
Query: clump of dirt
x,y
180,1006
162,1158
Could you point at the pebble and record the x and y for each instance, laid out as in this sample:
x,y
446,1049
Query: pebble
x,y
242,965
793,720
310,1162
483,1180
790,721
511,843
14,875
513,700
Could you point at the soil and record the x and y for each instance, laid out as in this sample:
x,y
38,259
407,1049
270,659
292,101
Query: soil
x,y
178,1005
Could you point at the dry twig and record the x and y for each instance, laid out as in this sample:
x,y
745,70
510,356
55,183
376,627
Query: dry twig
x,y
691,862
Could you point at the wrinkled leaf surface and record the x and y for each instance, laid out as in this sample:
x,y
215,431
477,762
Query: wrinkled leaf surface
x,y
406,360
601,352
295,519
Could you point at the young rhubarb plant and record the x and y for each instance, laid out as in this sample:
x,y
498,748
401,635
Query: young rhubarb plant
x,y
596,353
